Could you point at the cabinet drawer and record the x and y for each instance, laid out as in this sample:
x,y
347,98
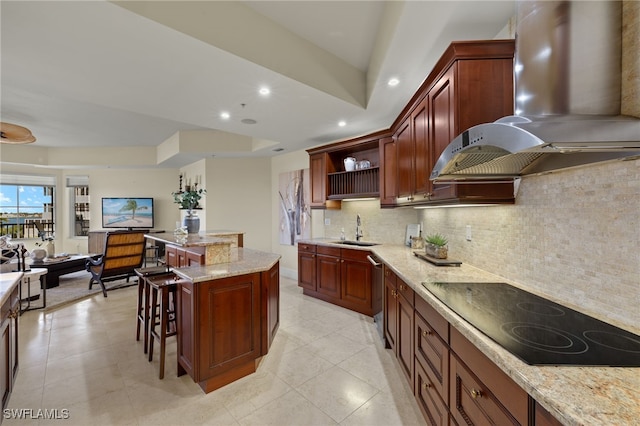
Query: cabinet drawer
x,y
406,291
307,248
433,408
433,354
389,275
494,381
472,402
360,255
328,250
433,318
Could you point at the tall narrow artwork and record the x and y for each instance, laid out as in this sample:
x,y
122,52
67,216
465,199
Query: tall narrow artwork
x,y
295,214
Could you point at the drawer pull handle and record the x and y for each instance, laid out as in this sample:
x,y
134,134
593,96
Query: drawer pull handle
x,y
402,287
426,385
426,333
475,393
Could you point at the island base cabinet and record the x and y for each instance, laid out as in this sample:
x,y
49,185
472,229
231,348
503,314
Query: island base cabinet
x,y
222,325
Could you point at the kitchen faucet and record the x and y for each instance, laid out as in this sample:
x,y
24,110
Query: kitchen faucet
x,y
358,230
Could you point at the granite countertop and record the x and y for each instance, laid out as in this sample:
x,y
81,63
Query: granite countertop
x,y
243,261
575,395
334,242
8,281
190,240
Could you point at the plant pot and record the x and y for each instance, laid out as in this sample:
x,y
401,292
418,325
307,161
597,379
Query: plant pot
x,y
192,222
438,252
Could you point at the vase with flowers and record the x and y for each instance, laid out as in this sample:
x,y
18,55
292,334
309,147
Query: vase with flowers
x,y
189,200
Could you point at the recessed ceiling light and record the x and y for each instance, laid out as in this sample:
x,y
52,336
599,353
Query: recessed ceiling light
x,y
225,115
342,123
264,91
393,82
248,121
278,149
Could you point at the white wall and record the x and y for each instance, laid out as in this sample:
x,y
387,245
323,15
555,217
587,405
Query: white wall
x,y
239,198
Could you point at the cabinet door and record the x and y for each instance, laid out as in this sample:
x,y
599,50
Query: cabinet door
x,y
318,173
233,300
388,172
356,282
422,160
307,270
171,255
404,346
390,308
187,327
328,275
404,147
441,100
270,306
192,258
5,359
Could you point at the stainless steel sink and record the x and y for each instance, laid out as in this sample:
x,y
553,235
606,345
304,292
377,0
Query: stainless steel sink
x,y
355,243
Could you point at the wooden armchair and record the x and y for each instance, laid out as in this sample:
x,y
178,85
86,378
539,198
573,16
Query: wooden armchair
x,y
123,252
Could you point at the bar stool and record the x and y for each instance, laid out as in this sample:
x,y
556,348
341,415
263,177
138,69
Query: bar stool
x,y
142,313
163,313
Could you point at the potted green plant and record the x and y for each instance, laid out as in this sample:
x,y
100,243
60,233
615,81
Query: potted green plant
x,y
436,246
188,200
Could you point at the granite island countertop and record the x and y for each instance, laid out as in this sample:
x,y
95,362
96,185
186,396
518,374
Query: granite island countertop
x,y
189,240
575,395
243,261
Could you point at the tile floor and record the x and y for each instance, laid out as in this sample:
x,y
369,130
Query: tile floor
x,y
326,366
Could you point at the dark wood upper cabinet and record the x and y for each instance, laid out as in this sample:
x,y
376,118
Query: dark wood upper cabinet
x,y
471,84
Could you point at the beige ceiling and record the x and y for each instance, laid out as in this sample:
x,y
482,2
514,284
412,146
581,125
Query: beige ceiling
x,y
151,73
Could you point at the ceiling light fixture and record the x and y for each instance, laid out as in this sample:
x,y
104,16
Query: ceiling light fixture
x,y
14,134
248,121
264,91
225,115
342,123
393,82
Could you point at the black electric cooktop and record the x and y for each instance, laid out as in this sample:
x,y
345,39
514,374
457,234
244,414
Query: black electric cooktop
x,y
537,330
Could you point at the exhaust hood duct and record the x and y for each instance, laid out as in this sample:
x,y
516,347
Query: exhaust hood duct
x,y
567,98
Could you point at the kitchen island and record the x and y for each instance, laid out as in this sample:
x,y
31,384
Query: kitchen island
x,y
228,314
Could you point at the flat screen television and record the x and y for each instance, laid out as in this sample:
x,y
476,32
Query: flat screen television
x,y
127,212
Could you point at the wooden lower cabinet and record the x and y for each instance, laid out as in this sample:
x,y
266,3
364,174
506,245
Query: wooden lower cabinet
x,y
398,320
337,275
9,346
307,266
226,325
181,257
453,382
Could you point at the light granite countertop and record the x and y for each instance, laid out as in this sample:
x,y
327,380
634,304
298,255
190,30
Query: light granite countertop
x,y
190,240
8,281
243,261
575,395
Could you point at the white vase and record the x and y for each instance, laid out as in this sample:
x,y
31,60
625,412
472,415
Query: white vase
x,y
51,249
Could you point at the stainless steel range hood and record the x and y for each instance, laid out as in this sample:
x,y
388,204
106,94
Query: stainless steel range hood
x,y
567,89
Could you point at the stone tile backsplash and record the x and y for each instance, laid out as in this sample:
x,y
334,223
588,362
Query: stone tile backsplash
x,y
573,235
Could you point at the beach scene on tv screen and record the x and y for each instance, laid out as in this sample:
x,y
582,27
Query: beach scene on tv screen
x,y
127,212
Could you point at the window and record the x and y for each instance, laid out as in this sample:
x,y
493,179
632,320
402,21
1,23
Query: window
x,y
81,209
27,205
